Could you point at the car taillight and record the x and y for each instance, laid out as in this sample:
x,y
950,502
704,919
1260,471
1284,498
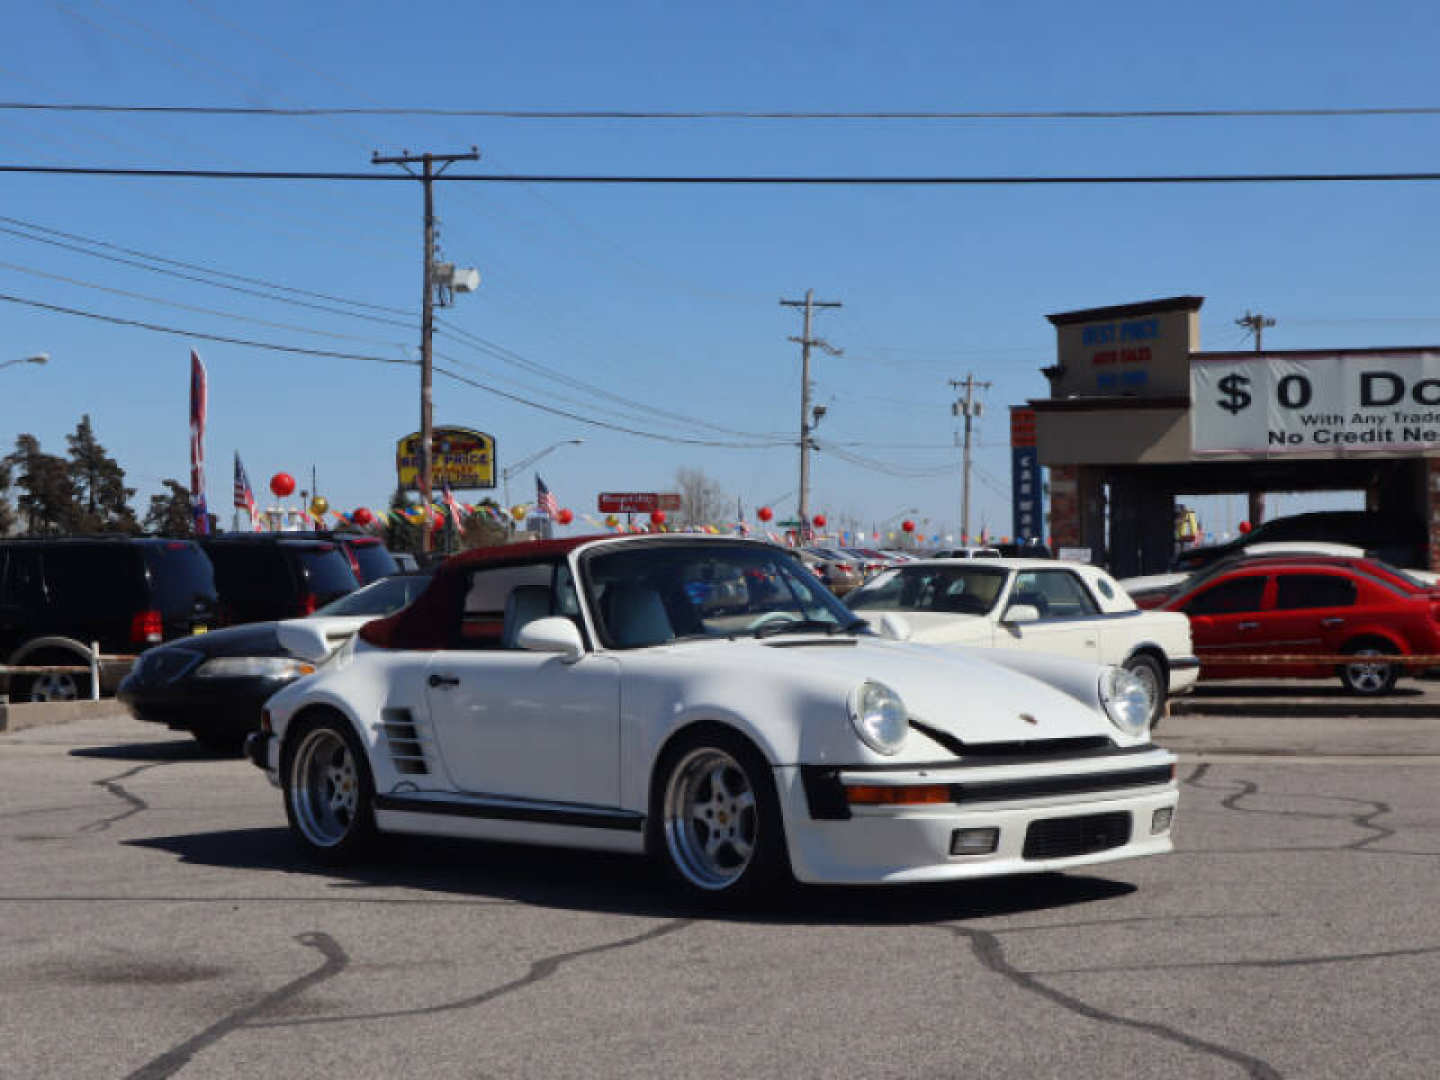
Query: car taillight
x,y
844,567
307,604
146,628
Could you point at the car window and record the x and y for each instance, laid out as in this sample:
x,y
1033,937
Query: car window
x,y
1313,591
1228,597
21,583
180,577
482,615
383,597
1058,594
374,560
327,570
96,579
959,588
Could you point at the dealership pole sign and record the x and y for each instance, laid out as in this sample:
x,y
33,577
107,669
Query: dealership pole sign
x,y
1326,403
462,456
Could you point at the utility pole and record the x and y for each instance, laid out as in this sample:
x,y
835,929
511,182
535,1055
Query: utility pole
x,y
969,408
806,423
1256,324
427,311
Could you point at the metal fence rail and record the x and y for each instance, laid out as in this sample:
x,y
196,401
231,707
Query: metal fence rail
x,y
92,668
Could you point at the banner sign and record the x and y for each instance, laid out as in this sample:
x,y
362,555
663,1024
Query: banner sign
x,y
1337,404
1027,520
461,456
637,502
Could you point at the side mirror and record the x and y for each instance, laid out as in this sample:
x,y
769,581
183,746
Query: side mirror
x,y
895,627
1016,614
554,634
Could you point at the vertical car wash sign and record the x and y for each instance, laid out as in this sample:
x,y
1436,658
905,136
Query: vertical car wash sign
x,y
1028,521
1370,401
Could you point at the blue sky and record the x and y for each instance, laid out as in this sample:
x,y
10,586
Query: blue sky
x,y
668,297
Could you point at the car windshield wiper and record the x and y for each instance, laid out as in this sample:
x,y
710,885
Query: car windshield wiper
x,y
808,626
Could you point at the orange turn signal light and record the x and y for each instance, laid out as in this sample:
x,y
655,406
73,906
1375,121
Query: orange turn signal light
x,y
906,794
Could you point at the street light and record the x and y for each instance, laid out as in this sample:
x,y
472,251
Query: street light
x,y
38,358
525,462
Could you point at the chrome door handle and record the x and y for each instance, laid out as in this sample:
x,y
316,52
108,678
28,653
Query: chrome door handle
x,y
443,680
1333,621
1247,626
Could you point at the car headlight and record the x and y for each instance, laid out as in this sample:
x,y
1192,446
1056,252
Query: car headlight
x,y
261,667
1125,700
879,717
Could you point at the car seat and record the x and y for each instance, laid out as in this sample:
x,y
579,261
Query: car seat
x,y
525,604
635,616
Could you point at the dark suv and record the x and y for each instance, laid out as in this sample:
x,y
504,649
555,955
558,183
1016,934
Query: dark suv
x,y
1399,539
262,576
57,595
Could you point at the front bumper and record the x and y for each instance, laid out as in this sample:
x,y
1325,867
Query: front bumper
x,y
219,706
877,845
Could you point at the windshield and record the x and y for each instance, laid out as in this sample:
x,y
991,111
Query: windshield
x,y
960,588
383,597
647,594
374,560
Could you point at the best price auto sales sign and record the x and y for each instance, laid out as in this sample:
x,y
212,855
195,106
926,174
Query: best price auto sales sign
x,y
1308,403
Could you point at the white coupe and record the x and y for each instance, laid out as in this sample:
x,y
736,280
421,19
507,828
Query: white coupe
x,y
1039,605
707,701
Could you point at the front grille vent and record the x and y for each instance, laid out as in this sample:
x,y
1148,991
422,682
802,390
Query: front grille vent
x,y
405,742
1059,838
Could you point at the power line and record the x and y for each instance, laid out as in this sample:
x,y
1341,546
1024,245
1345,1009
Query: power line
x,y
722,114
161,329
199,266
721,180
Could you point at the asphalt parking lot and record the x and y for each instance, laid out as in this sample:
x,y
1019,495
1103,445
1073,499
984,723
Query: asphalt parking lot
x,y
157,922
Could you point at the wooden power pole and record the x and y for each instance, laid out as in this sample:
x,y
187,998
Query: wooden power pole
x,y
806,340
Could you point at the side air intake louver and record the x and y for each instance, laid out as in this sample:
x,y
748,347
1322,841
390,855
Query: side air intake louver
x,y
405,742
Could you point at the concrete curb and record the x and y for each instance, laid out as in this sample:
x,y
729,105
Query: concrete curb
x,y
19,717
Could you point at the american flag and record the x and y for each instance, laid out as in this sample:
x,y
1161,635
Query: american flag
x,y
545,501
448,497
244,495
198,403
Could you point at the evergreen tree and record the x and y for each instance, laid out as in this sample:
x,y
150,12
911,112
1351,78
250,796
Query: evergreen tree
x,y
47,496
7,513
170,513
482,529
400,535
102,499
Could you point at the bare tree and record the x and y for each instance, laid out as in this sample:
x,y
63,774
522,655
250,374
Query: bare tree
x,y
702,500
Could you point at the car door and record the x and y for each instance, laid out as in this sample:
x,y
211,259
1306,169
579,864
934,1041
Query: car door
x,y
1069,616
1310,613
1225,624
520,724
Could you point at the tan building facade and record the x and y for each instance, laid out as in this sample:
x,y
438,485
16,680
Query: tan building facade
x,y
1118,431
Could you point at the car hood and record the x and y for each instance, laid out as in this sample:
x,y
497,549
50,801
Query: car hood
x,y
317,636
973,695
251,639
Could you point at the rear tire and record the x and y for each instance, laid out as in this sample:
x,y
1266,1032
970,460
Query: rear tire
x,y
329,792
1148,670
714,822
1369,679
56,687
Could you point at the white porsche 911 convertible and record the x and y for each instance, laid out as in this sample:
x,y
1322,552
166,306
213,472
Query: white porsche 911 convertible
x,y
707,701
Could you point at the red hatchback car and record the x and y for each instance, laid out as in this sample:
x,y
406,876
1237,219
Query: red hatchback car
x,y
1315,607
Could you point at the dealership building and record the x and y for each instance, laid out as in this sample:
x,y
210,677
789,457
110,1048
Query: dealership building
x,y
1139,417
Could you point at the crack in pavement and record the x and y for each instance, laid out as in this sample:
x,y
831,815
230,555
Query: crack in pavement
x,y
991,954
175,1059
1362,820
539,971
1296,961
112,785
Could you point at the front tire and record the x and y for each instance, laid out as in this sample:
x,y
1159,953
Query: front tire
x,y
329,792
1367,678
1148,670
715,820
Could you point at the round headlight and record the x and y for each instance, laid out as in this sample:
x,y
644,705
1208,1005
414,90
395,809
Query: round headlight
x,y
879,717
1125,700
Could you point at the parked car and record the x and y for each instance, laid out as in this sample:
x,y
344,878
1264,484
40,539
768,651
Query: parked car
x,y
214,685
839,571
267,576
1315,606
1152,590
60,594
1399,539
370,560
1035,605
785,738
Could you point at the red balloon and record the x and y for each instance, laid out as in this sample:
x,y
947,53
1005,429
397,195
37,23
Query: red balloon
x,y
564,517
907,525
282,484
657,517
765,513
362,516
1244,526
819,521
